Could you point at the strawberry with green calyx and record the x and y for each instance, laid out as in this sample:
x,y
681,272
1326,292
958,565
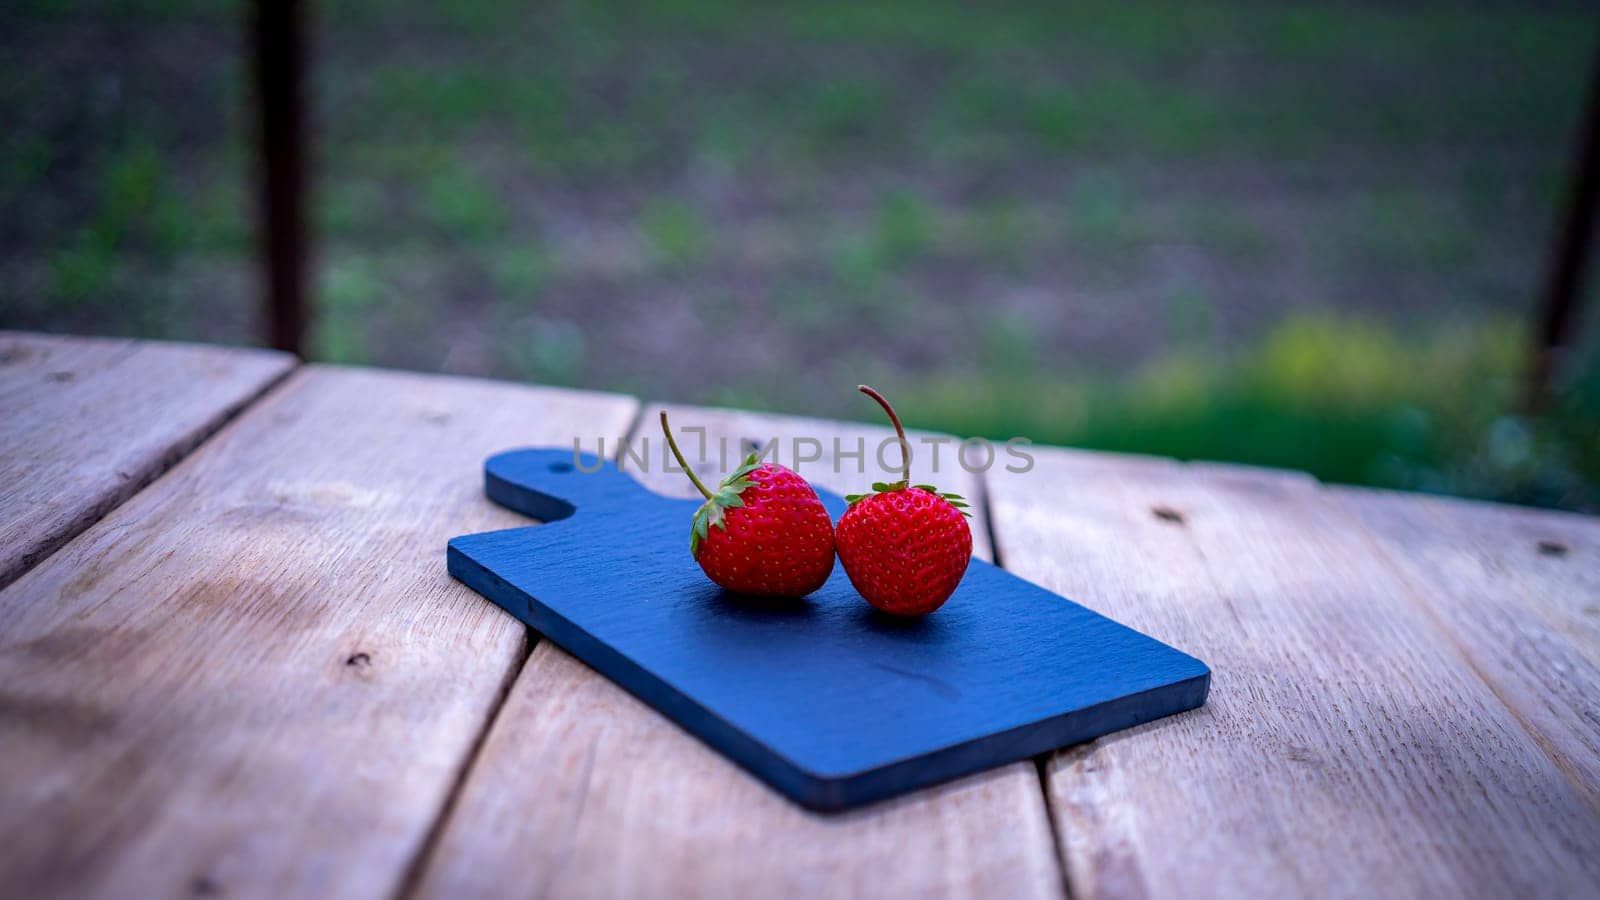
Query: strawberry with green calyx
x,y
904,546
764,531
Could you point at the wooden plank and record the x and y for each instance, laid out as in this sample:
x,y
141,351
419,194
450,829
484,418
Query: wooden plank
x,y
255,677
582,790
1347,750
1518,590
89,421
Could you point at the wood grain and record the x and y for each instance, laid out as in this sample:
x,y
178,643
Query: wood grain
x,y
255,678
1518,591
1348,748
89,421
580,790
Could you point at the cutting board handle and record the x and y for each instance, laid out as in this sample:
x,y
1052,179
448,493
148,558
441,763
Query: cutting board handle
x,y
550,483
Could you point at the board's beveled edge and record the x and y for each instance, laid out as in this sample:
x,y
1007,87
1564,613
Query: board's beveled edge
x,y
830,792
1027,741
530,481
761,760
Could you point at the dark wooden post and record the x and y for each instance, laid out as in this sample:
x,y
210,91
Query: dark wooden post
x,y
278,39
1569,258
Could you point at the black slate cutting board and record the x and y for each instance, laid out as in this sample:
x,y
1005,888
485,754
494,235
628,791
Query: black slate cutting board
x,y
825,699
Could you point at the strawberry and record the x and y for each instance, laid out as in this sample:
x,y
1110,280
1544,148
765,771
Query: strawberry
x,y
764,532
904,546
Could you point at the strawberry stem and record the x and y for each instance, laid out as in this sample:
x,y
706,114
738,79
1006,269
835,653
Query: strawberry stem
x,y
681,461
899,430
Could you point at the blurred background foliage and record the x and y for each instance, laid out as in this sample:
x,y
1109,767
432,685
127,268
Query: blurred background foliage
x,y
1304,235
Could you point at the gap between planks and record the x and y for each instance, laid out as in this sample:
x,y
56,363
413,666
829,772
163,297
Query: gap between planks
x,y
212,725
1382,550
145,476
1041,763
430,843
412,876
148,478
1426,628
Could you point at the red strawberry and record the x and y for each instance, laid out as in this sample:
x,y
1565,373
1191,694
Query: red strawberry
x,y
764,532
905,547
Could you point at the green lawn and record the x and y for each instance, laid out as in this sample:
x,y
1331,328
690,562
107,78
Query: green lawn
x,y
1293,234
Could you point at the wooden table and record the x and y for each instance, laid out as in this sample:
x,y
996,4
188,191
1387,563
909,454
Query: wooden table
x,y
232,664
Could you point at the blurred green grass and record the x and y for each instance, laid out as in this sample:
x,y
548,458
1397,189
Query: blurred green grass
x,y
1349,401
1289,234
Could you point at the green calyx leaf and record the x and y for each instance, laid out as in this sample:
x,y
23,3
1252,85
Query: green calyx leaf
x,y
880,487
958,501
750,464
713,512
